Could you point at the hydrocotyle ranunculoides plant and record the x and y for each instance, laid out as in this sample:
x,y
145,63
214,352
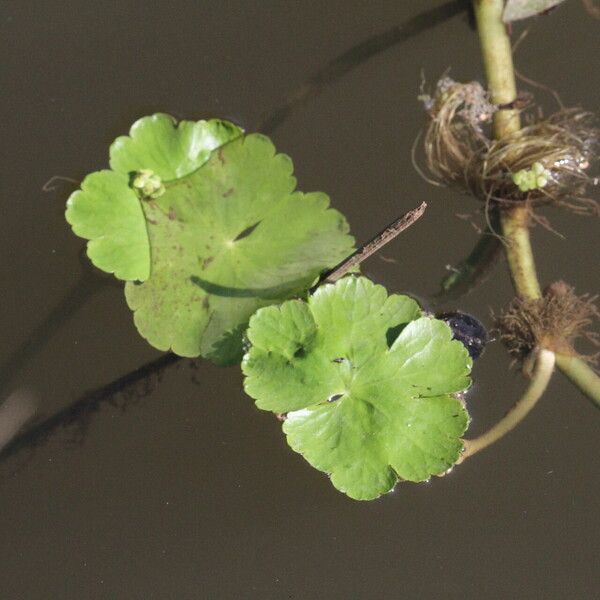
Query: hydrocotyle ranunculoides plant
x,y
204,224
369,384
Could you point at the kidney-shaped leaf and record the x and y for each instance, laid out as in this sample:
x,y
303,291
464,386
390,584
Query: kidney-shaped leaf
x,y
225,240
367,382
108,212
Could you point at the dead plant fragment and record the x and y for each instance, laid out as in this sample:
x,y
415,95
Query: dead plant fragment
x,y
547,162
554,322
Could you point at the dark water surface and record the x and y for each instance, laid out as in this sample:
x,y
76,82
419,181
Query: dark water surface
x,y
188,491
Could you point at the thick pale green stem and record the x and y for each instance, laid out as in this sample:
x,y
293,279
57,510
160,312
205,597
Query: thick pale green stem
x,y
539,382
515,228
498,62
500,74
497,59
582,375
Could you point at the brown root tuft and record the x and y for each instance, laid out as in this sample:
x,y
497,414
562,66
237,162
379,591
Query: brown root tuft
x,y
554,322
454,137
458,152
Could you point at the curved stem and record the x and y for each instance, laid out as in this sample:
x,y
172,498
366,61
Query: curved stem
x,y
582,375
544,366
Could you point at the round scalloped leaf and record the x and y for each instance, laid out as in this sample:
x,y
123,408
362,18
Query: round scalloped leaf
x,y
170,149
367,383
231,237
107,212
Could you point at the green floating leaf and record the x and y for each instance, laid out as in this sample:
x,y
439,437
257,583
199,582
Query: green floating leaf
x,y
515,10
169,149
227,239
108,212
367,383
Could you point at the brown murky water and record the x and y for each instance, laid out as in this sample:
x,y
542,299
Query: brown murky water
x,y
189,492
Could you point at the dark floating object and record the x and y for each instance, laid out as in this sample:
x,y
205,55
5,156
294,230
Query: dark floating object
x,y
468,330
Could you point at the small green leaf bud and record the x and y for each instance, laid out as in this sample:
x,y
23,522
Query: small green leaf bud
x,y
147,184
534,178
538,168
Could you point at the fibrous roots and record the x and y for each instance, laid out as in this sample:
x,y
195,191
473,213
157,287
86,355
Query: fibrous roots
x,y
547,162
554,322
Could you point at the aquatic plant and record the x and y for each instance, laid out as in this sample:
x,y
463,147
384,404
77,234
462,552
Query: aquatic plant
x,y
223,259
368,384
213,235
203,223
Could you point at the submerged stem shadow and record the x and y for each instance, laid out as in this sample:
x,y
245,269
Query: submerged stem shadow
x,y
89,402
474,269
87,286
357,55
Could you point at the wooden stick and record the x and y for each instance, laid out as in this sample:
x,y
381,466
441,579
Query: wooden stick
x,y
372,246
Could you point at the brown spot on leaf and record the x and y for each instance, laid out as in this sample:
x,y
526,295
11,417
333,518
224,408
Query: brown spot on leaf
x,y
228,193
207,261
205,303
220,156
172,214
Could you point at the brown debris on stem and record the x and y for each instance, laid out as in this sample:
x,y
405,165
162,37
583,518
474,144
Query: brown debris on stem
x,y
459,153
554,322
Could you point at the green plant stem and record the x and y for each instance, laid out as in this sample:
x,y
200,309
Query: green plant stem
x,y
542,372
497,59
582,375
515,229
498,62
